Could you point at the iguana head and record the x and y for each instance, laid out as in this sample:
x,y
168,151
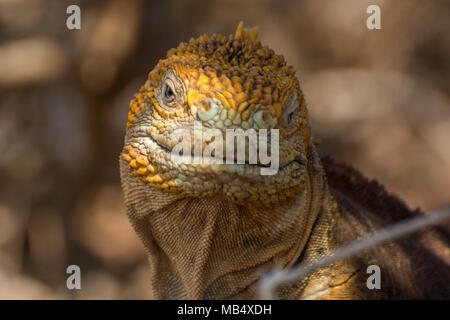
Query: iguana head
x,y
221,83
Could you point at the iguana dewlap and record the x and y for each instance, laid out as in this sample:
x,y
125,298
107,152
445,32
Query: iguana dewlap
x,y
212,230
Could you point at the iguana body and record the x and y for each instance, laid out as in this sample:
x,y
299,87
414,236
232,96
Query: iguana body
x,y
211,230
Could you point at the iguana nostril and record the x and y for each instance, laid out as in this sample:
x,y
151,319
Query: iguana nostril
x,y
263,119
208,109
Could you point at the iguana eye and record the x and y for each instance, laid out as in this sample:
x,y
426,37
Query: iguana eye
x,y
169,92
289,117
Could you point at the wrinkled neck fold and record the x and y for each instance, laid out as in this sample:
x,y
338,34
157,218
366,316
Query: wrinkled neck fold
x,y
213,248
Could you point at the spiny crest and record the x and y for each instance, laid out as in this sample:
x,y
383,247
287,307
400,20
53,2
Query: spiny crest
x,y
246,33
233,54
236,69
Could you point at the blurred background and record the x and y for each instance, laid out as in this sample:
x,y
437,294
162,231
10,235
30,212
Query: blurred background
x,y
378,99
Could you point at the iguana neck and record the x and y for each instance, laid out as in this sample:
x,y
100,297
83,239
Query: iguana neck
x,y
212,248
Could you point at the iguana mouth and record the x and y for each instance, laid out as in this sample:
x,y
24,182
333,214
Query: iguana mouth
x,y
163,157
155,145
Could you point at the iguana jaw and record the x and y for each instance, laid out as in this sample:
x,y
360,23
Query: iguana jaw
x,y
151,163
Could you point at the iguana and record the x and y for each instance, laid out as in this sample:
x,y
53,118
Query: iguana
x,y
211,230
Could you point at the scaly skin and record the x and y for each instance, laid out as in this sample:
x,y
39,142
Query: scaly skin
x,y
211,230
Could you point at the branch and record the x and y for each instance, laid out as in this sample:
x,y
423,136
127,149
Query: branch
x,y
271,281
